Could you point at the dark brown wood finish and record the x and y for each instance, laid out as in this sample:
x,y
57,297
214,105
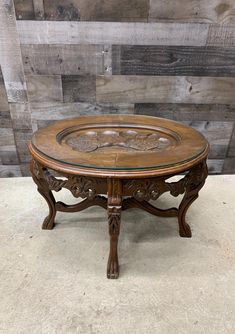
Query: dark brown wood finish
x,y
137,183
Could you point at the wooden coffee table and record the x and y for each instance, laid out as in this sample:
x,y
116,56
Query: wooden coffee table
x,y
128,158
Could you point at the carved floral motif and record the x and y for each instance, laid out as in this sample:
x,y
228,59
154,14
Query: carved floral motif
x,y
129,139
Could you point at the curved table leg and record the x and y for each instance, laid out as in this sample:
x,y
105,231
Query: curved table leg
x,y
195,181
43,188
114,220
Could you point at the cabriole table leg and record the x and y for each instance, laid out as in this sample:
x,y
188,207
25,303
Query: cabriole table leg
x,y
195,181
38,176
114,221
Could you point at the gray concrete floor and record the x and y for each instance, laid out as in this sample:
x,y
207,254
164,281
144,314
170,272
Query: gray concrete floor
x,y
55,281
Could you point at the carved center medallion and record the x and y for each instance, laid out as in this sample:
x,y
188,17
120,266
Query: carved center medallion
x,y
127,139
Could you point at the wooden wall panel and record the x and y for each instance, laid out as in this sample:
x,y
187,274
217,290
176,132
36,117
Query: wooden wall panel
x,y
44,88
47,32
218,11
90,10
24,9
173,60
63,59
188,112
165,89
79,88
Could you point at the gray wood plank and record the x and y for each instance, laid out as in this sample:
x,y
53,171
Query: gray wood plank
x,y
165,89
24,9
8,155
90,10
7,137
63,59
173,60
10,55
3,96
218,11
22,138
44,88
231,149
48,32
79,88
215,166
188,112
10,171
38,7
20,116
221,35
5,119
218,135
229,166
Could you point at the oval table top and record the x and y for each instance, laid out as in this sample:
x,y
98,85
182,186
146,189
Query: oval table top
x,y
119,146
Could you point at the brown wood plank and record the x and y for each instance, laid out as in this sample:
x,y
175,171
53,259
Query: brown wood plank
x,y
218,11
48,32
90,10
44,88
63,59
165,89
188,112
173,60
78,88
24,9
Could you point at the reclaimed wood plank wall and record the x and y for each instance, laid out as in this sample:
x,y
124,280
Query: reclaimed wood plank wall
x,y
64,58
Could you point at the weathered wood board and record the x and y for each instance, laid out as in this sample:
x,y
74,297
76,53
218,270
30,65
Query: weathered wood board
x,y
188,112
47,113
20,116
22,138
44,88
53,32
90,10
165,89
10,171
221,35
24,9
79,88
218,11
215,166
231,148
173,60
63,59
10,55
229,166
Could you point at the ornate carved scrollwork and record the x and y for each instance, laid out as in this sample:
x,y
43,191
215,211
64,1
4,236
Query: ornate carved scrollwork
x,y
114,217
79,186
151,189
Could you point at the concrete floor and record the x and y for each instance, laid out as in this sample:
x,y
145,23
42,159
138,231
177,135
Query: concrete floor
x,y
55,281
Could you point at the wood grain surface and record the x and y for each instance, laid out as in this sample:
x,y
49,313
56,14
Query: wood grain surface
x,y
173,60
163,89
90,10
217,11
